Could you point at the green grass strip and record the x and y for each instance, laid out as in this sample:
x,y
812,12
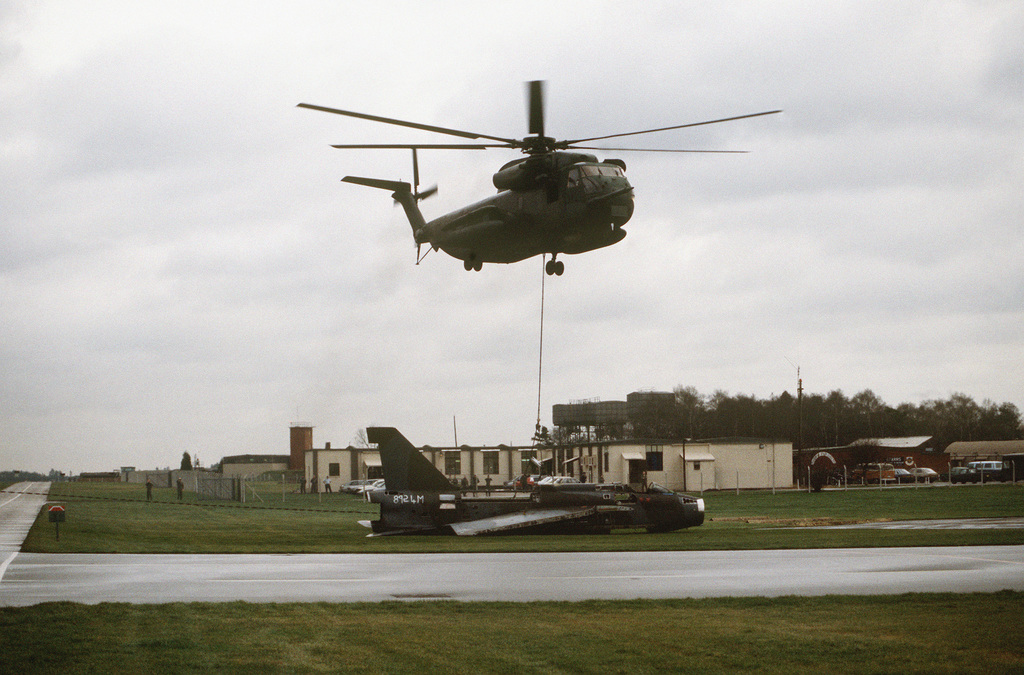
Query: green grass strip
x,y
926,633
116,518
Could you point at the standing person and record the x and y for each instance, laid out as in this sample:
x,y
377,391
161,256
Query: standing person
x,y
327,483
312,485
181,487
149,489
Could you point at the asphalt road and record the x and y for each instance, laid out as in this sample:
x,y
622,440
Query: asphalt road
x,y
19,505
32,578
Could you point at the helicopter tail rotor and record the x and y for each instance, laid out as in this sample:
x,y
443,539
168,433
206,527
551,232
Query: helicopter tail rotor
x,y
416,194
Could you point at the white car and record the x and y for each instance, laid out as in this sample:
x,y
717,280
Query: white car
x,y
355,487
557,480
923,473
371,486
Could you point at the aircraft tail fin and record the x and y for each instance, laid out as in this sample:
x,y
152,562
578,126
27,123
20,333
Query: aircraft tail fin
x,y
401,193
405,469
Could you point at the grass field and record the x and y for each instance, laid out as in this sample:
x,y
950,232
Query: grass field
x,y
115,518
930,633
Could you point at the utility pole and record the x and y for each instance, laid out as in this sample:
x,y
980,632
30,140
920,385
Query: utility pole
x,y
799,411
799,408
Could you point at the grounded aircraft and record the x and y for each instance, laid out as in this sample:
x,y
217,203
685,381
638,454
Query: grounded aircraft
x,y
549,202
419,499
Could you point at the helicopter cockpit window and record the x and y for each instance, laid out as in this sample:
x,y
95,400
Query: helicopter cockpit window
x,y
588,176
602,170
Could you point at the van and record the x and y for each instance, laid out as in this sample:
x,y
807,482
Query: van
x,y
874,473
988,470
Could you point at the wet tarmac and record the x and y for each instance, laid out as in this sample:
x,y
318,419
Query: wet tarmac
x,y
939,524
33,578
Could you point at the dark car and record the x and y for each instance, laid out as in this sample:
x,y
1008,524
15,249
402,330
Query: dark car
x,y
903,476
963,474
989,470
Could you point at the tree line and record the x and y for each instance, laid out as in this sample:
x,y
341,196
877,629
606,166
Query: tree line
x,y
819,420
15,476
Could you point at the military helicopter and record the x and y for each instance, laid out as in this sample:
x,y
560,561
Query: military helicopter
x,y
550,202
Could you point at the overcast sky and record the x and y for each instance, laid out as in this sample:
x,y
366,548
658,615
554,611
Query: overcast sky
x,y
181,269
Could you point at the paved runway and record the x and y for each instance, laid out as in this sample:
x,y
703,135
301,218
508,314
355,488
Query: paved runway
x,y
935,524
34,578
19,505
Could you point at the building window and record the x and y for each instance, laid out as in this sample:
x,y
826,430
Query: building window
x,y
453,463
525,465
696,466
491,462
655,460
334,469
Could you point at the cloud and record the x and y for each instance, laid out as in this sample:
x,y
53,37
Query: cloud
x,y
182,269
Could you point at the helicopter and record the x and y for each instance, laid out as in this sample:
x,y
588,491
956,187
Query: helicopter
x,y
553,201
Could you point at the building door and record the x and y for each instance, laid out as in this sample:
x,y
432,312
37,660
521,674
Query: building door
x,y
637,472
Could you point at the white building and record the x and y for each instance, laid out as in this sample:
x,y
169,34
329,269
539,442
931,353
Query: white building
x,y
690,466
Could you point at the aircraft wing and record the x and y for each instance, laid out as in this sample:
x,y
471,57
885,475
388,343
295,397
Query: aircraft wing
x,y
520,520
391,533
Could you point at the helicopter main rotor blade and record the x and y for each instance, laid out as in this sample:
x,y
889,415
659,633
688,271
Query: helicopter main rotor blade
x,y
536,107
563,144
402,123
709,152
417,146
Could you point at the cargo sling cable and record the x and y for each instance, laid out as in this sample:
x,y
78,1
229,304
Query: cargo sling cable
x,y
540,358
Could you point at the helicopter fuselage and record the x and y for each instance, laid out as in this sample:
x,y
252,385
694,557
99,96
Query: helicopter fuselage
x,y
578,206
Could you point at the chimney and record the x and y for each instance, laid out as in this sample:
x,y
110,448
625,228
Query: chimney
x,y
301,441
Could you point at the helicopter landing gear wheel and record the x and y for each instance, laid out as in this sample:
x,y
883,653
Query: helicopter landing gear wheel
x,y
472,265
554,267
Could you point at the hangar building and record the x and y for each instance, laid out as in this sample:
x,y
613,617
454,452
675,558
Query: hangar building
x,y
687,466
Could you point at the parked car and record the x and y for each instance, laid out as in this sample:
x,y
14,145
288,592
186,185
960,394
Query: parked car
x,y
372,486
988,470
963,474
354,487
903,476
873,473
558,480
924,474
524,481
